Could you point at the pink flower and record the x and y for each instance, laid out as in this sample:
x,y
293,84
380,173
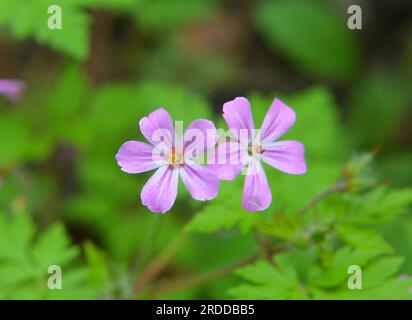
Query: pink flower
x,y
251,146
11,89
172,157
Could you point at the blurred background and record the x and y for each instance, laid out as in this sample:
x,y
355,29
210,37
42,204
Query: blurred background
x,y
64,200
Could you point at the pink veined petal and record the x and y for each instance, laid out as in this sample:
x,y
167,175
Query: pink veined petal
x,y
287,156
238,116
158,123
11,89
199,137
278,120
159,193
200,181
228,160
256,191
136,157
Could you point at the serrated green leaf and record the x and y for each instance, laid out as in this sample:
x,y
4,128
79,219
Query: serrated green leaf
x,y
267,282
335,273
53,248
24,266
363,238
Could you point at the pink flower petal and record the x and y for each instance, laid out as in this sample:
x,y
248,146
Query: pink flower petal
x,y
200,181
159,193
11,89
199,137
238,116
157,126
136,157
277,121
286,156
227,160
256,192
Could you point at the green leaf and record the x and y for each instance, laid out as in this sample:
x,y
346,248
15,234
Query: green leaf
x,y
66,95
19,233
282,226
266,282
284,278
115,110
376,206
363,238
177,100
24,265
16,139
376,274
311,35
97,261
53,247
335,272
379,281
30,18
378,104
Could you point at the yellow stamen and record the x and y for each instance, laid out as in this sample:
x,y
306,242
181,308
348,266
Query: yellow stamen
x,y
255,149
175,158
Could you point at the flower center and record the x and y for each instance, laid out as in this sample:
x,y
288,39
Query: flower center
x,y
252,149
175,158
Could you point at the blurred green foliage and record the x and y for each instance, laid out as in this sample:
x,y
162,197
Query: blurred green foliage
x,y
64,200
310,34
25,259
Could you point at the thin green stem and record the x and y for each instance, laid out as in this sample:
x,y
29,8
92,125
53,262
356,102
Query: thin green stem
x,y
337,187
199,279
159,263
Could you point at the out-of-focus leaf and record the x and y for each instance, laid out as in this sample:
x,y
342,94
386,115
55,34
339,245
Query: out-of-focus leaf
x,y
377,106
311,35
14,139
25,262
378,282
373,207
297,275
29,18
335,273
266,282
177,100
97,261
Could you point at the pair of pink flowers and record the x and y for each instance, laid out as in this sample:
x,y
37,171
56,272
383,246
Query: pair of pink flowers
x,y
173,156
